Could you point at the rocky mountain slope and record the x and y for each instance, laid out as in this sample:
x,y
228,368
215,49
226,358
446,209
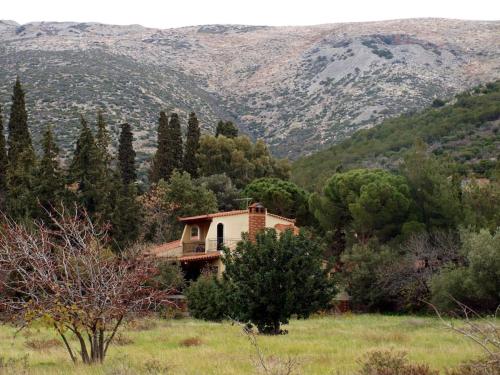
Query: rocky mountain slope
x,y
299,88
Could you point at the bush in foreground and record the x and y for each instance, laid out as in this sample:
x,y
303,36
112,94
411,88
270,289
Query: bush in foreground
x,y
277,276
208,298
392,363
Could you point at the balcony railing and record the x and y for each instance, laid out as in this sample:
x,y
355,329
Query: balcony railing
x,y
193,247
217,244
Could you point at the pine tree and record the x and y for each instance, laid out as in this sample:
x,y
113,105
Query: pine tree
x,y
49,183
3,164
159,165
192,145
19,137
175,145
126,155
85,169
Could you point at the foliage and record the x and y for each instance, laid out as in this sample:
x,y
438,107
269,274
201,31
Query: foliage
x,y
126,155
166,201
227,129
49,189
364,203
169,277
19,140
280,197
239,158
192,146
392,363
362,276
78,287
102,140
159,165
475,284
208,298
228,196
482,205
464,131
3,164
125,219
291,279
436,195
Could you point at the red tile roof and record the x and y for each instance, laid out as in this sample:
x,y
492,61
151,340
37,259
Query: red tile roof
x,y
283,227
210,216
164,247
202,256
227,213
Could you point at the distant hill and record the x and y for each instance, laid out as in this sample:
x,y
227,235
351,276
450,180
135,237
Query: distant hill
x,y
300,88
466,130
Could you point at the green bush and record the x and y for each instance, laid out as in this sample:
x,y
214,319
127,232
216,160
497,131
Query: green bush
x,y
361,275
207,298
475,284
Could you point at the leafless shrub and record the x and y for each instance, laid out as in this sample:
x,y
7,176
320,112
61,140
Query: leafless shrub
x,y
485,332
65,276
270,365
122,340
42,345
425,254
392,363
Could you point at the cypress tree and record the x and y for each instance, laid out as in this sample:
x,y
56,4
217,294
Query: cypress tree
x,y
175,145
3,164
159,165
50,182
21,183
125,218
19,136
126,155
192,145
85,169
102,139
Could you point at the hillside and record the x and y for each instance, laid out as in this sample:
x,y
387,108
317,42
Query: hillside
x,y
466,130
299,88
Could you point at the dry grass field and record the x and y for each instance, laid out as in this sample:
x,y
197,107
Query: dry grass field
x,y
320,345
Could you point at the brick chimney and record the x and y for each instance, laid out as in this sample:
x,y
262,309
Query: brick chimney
x,y
256,219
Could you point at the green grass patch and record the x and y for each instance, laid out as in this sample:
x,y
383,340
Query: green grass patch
x,y
321,345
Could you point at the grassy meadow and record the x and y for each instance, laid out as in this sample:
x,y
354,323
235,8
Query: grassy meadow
x,y
320,345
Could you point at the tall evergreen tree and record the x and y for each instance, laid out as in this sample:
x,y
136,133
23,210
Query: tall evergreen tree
x,y
126,155
175,144
21,181
125,218
192,145
49,182
159,165
3,164
102,139
19,136
85,169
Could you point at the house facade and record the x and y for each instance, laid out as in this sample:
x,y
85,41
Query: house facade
x,y
204,237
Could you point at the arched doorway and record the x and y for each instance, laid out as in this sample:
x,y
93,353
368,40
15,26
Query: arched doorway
x,y
220,236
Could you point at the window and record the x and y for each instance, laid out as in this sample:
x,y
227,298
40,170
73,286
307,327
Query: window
x,y
195,232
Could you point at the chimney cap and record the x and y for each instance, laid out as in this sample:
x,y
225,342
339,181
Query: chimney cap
x,y
256,205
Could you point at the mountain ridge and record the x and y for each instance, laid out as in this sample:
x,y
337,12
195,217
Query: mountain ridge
x,y
300,88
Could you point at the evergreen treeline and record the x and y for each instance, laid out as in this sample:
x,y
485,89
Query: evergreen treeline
x,y
105,184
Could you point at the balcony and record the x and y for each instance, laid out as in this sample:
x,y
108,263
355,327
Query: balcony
x,y
189,247
215,244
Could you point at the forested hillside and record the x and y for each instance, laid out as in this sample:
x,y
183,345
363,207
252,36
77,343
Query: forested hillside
x,y
464,130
